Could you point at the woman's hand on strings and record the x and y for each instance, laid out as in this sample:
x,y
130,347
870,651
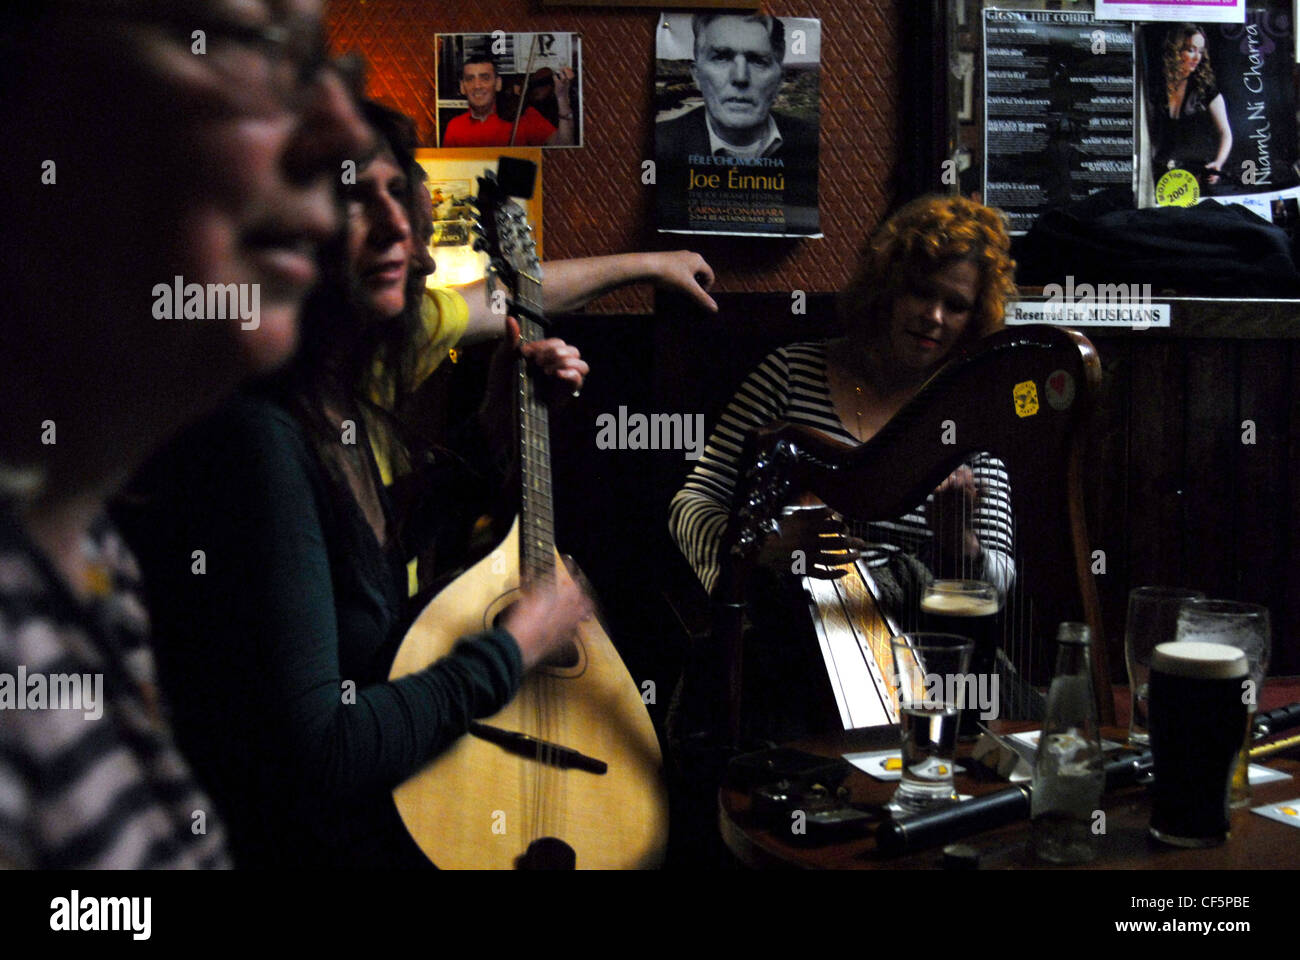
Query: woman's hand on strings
x,y
811,542
544,619
952,511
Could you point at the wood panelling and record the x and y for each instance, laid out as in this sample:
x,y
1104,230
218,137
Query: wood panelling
x,y
1182,499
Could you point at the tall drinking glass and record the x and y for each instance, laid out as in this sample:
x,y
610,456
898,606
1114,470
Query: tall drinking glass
x,y
967,608
1152,620
1246,627
931,670
1196,719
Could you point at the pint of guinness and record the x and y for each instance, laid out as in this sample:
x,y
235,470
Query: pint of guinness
x,y
1198,716
967,608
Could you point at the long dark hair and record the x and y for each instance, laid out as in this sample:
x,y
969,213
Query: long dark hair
x,y
1202,78
361,363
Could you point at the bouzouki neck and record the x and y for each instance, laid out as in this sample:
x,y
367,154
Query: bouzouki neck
x,y
536,506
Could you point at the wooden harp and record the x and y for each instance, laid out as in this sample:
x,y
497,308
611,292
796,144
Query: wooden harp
x,y
1023,395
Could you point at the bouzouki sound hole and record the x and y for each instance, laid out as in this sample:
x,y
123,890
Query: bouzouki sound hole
x,y
547,853
566,662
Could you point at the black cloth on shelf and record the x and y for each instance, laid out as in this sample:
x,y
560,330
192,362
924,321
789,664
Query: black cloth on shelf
x,y
1211,249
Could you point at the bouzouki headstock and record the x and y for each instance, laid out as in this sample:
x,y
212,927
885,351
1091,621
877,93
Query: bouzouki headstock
x,y
502,231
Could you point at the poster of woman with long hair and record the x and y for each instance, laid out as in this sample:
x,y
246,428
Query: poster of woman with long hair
x,y
1220,110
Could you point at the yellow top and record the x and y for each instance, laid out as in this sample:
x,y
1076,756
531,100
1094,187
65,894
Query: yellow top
x,y
445,315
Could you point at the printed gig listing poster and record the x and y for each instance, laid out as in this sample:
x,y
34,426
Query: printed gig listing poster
x,y
1059,94
736,124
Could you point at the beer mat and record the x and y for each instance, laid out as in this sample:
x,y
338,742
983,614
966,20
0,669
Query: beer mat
x,y
875,763
1260,774
1288,812
1030,739
1003,758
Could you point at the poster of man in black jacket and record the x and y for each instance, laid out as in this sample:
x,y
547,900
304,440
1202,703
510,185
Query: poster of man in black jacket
x,y
736,133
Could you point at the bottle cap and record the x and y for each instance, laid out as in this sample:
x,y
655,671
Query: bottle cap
x,y
1074,633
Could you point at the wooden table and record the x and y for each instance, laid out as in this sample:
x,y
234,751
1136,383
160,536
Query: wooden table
x,y
1256,842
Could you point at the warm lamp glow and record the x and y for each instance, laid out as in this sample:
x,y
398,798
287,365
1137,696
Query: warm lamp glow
x,y
451,176
456,266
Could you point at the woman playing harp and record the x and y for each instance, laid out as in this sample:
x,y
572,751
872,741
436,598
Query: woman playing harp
x,y
933,280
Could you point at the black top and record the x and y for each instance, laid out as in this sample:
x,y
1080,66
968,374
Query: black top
x,y
276,640
795,161
1189,140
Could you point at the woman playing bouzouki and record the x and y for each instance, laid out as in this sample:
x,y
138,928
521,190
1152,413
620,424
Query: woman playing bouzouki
x,y
276,560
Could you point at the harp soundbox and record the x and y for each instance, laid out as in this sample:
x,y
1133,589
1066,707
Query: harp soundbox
x,y
1022,395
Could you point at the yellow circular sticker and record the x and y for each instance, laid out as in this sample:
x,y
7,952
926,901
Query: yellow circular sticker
x,y
1177,188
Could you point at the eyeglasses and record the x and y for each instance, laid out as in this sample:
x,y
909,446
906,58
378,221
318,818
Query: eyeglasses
x,y
295,52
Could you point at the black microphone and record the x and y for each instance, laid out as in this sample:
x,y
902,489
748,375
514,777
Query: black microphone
x,y
933,827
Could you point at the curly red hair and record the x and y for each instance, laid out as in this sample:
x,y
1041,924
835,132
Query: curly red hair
x,y
919,239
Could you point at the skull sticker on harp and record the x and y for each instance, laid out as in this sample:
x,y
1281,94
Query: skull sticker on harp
x,y
1026,397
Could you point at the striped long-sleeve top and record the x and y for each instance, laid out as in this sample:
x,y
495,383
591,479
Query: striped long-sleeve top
x,y
790,385
89,774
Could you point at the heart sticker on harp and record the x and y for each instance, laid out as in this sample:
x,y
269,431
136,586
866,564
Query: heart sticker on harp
x,y
1060,390
1025,396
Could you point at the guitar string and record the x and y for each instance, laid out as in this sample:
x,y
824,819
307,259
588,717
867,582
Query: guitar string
x,y
542,539
1020,653
532,768
549,782
537,553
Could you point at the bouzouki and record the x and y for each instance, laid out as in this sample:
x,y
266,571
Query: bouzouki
x,y
569,772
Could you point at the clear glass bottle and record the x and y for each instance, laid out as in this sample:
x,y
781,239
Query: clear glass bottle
x,y
1068,771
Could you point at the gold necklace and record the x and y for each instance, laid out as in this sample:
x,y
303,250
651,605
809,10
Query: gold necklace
x,y
856,380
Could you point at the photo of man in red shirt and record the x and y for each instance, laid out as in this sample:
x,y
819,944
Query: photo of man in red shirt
x,y
482,126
